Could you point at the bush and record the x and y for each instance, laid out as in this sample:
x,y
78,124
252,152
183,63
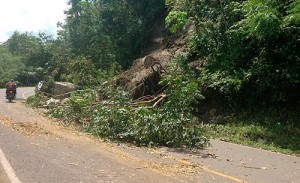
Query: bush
x,y
36,100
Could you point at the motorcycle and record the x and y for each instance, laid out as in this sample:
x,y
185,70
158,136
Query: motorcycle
x,y
10,96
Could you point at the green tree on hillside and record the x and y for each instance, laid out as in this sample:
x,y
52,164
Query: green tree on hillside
x,y
108,31
10,66
251,47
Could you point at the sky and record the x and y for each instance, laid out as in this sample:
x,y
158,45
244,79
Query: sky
x,y
30,15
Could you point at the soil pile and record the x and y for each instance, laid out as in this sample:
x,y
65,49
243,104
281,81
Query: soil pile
x,y
143,77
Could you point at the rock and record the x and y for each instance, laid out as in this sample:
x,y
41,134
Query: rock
x,y
52,102
149,61
59,88
65,101
144,76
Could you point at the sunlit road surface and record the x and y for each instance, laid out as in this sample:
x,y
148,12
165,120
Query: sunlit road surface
x,y
37,149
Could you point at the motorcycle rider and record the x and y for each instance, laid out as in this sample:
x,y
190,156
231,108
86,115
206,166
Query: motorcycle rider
x,y
11,86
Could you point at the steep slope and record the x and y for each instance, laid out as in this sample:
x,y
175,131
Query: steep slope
x,y
143,77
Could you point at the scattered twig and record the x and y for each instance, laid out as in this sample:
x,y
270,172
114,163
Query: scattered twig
x,y
153,99
163,96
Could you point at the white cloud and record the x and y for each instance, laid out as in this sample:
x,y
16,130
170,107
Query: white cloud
x,y
31,16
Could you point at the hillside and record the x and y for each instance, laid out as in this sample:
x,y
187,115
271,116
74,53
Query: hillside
x,y
143,77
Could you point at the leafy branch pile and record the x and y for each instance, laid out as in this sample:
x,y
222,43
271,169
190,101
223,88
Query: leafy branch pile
x,y
113,118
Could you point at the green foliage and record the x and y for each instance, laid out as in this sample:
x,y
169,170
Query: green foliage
x,y
183,85
293,17
176,20
275,129
36,100
249,49
79,106
269,68
262,20
10,66
58,112
40,57
22,44
106,33
113,119
165,127
31,49
109,31
145,126
172,124
221,81
82,72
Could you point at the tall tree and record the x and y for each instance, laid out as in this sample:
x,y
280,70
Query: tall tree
x,y
10,66
109,31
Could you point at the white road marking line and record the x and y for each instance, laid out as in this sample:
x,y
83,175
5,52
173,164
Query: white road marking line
x,y
8,169
24,94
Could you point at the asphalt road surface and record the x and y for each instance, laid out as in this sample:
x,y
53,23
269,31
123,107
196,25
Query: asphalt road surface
x,y
37,149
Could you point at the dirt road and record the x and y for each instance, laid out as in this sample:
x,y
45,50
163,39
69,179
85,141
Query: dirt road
x,y
38,149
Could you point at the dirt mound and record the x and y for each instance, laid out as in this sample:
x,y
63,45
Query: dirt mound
x,y
143,77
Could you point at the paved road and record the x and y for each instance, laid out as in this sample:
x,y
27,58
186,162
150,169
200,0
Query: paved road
x,y
34,148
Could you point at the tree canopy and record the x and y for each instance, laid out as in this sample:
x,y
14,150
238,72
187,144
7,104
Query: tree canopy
x,y
251,47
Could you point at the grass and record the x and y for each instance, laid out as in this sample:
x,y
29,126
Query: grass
x,y
270,130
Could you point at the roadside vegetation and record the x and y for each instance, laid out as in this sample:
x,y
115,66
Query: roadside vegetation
x,y
117,117
245,88
273,130
250,68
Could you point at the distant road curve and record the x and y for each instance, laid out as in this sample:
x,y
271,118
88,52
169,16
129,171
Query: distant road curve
x,y
25,92
22,93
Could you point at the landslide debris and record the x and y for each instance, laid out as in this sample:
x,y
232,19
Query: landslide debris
x,y
143,78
